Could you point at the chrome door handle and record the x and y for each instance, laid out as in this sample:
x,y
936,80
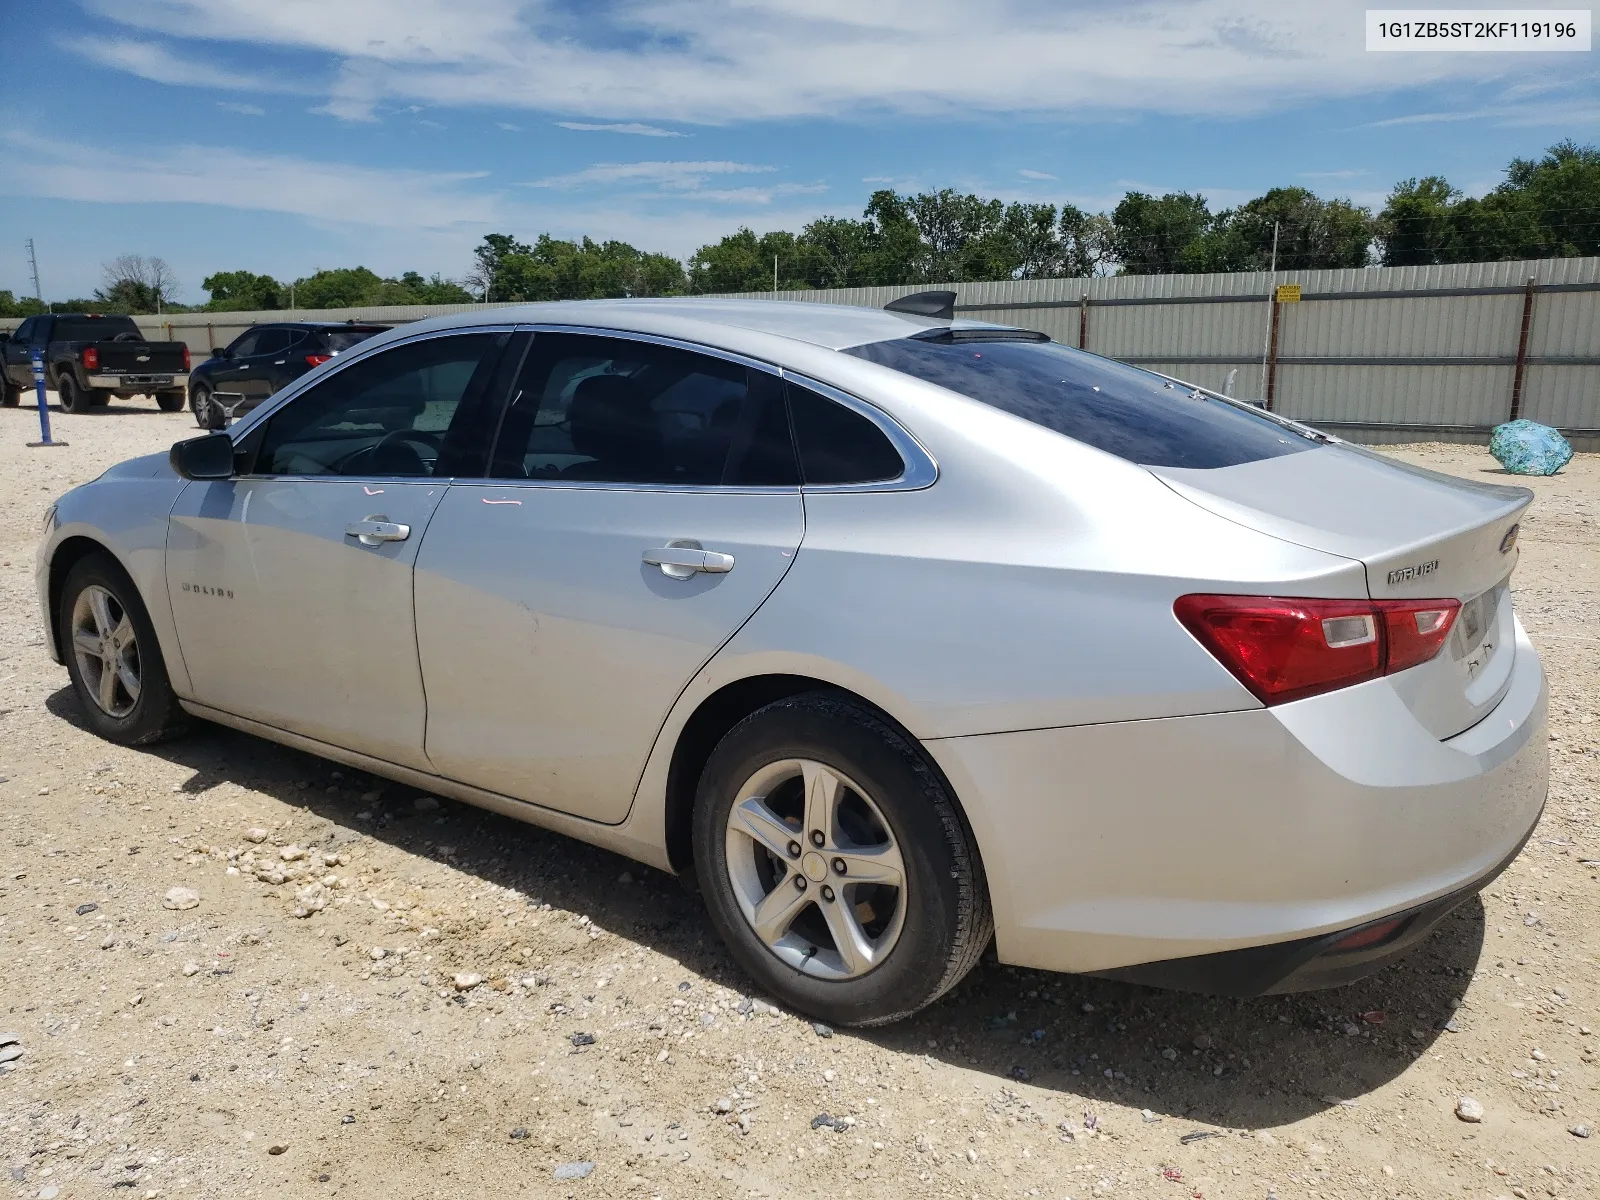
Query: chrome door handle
x,y
684,560
376,530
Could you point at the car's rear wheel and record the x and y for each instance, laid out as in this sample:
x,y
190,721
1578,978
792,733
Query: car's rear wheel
x,y
835,862
74,399
112,656
170,401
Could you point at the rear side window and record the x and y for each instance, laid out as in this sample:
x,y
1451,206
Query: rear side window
x,y
838,445
614,410
1105,404
95,329
272,341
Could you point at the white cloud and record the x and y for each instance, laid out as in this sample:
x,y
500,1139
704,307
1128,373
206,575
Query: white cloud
x,y
1030,174
621,127
328,192
508,126
154,61
244,110
723,61
676,175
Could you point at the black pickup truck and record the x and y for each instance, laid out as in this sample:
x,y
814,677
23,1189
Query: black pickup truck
x,y
88,358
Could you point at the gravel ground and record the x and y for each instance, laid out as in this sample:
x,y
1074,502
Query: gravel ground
x,y
484,1008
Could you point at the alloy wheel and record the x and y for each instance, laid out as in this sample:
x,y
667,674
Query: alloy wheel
x,y
106,650
816,869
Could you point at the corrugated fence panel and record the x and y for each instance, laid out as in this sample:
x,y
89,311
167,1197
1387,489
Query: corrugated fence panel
x,y
1445,338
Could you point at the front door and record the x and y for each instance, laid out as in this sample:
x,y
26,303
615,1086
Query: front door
x,y
644,503
292,584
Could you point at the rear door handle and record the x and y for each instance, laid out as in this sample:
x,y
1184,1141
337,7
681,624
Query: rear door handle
x,y
684,560
376,530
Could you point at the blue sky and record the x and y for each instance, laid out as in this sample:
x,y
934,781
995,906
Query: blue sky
x,y
286,135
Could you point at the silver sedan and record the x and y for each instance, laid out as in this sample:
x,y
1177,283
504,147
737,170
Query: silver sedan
x,y
904,634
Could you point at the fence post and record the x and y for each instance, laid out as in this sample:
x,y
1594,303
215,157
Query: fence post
x,y
1083,322
1522,350
211,337
1272,353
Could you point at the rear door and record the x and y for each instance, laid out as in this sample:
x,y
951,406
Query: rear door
x,y
260,379
291,585
643,502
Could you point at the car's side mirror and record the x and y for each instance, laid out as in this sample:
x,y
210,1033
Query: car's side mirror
x,y
219,352
208,457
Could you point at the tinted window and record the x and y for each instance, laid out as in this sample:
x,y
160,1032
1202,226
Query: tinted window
x,y
245,344
620,411
342,339
272,340
405,411
25,331
95,329
1109,405
838,445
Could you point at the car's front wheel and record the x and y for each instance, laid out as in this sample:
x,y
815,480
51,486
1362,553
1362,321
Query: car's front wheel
x,y
836,864
112,656
206,414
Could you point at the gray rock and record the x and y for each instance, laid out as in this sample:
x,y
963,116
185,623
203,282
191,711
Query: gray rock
x,y
181,898
10,1053
821,1030
1581,1131
573,1170
1469,1110
582,1039
83,910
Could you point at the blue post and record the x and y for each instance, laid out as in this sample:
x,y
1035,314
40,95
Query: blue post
x,y
44,409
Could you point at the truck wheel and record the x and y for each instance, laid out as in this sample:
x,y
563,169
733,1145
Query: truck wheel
x,y
170,401
74,399
98,397
10,395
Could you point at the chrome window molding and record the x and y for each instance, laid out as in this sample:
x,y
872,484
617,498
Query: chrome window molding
x,y
920,468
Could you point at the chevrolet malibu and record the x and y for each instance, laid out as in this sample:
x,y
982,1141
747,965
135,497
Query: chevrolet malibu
x,y
900,634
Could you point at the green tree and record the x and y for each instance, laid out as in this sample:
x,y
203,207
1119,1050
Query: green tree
x,y
1414,227
10,306
342,287
241,291
1562,192
1150,234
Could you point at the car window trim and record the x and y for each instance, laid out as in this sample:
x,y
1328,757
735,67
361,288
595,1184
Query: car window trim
x,y
920,469
258,417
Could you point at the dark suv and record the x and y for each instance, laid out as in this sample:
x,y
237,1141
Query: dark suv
x,y
263,359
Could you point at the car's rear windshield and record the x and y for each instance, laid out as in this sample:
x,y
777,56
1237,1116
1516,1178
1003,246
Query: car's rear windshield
x,y
93,329
1114,407
342,339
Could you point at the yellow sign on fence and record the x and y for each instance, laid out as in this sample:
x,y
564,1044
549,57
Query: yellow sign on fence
x,y
1288,293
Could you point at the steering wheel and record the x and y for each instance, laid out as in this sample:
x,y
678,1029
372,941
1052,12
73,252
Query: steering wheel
x,y
415,437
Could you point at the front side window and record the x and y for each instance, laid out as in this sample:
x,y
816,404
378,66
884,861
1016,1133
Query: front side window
x,y
1108,405
24,333
245,344
613,410
401,412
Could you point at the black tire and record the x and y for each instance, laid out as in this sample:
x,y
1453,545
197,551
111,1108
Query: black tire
x,y
98,397
170,401
947,921
154,714
10,395
74,399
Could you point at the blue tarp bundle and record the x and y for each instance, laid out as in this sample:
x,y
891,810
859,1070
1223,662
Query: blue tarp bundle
x,y
1528,448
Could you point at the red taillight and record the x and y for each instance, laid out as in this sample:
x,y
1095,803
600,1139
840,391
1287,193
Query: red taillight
x,y
1370,936
186,358
91,358
316,360
1287,648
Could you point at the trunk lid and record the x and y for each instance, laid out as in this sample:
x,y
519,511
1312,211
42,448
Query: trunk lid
x,y
1418,533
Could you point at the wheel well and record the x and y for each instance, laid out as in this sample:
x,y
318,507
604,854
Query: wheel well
x,y
71,552
717,715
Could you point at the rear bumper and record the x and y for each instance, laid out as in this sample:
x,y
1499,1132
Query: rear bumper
x,y
1276,831
132,383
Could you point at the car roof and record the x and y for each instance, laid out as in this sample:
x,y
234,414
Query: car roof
x,y
831,326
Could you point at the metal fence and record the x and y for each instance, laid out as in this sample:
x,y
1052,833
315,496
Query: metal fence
x,y
1377,353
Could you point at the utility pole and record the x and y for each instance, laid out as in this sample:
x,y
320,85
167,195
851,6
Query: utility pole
x,y
1272,283
33,265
